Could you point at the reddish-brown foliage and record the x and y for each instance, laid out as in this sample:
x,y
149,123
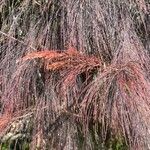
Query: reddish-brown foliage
x,y
116,93
4,121
104,81
69,59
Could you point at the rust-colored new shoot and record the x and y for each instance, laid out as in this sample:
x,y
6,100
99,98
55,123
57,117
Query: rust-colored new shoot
x,y
69,59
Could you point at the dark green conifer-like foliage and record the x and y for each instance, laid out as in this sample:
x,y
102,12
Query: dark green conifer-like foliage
x,y
75,73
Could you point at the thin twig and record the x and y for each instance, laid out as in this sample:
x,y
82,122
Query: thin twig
x,y
16,39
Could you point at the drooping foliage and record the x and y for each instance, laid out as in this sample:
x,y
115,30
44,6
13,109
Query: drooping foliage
x,y
79,69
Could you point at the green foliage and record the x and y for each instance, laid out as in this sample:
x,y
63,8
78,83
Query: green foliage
x,y
20,145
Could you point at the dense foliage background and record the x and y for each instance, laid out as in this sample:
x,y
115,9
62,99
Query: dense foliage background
x,y
74,74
